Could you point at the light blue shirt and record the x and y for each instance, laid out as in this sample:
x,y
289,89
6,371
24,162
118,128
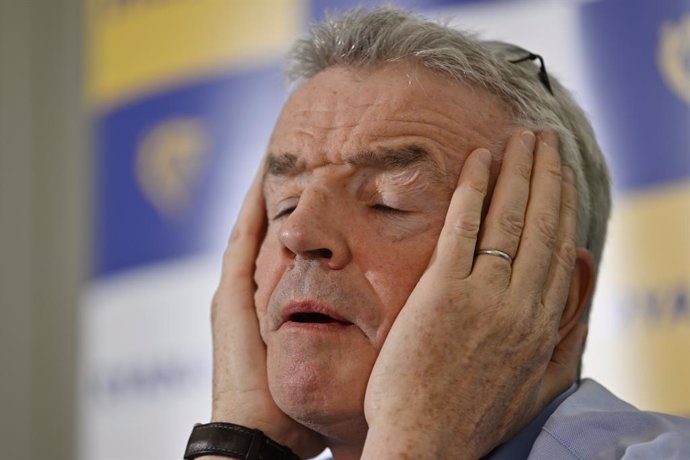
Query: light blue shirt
x,y
587,422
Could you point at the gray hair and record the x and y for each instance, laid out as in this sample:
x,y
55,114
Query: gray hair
x,y
361,38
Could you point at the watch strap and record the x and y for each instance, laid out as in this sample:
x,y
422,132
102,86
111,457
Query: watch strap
x,y
235,441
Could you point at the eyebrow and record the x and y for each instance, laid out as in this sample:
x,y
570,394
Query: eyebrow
x,y
287,164
392,158
284,164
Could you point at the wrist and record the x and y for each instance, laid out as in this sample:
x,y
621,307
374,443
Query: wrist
x,y
275,424
297,441
234,441
252,422
416,439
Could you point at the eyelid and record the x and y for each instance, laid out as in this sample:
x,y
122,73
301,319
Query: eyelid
x,y
284,212
285,207
388,199
382,207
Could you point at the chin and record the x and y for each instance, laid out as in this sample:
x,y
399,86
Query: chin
x,y
323,391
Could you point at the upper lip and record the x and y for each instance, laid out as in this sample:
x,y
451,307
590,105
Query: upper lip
x,y
294,308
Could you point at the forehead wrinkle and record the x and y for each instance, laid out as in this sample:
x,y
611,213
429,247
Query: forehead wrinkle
x,y
403,159
329,125
408,157
416,114
336,115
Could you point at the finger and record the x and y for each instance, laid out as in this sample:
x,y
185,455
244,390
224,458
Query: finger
x,y
244,243
564,255
238,351
458,238
533,259
505,219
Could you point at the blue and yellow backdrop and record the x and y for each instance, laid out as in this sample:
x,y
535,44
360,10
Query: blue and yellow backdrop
x,y
182,96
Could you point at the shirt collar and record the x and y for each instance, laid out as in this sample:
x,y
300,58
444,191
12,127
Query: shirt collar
x,y
520,445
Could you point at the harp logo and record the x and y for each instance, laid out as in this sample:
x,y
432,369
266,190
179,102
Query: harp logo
x,y
170,161
673,57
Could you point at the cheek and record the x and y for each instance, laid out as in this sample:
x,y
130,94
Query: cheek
x,y
395,274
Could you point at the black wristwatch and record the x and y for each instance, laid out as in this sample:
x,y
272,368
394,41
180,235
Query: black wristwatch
x,y
235,441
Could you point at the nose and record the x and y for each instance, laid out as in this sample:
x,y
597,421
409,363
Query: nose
x,y
315,231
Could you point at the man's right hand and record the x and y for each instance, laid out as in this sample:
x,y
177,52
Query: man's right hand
x,y
240,384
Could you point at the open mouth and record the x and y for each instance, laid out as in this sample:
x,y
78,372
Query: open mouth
x,y
316,318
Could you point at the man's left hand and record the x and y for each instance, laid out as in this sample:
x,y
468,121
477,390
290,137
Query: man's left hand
x,y
476,351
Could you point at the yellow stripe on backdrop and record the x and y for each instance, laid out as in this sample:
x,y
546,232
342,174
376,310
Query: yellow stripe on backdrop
x,y
650,247
136,45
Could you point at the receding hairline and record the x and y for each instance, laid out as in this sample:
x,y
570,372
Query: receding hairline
x,y
362,37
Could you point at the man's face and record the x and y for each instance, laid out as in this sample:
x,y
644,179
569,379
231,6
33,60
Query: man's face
x,y
362,164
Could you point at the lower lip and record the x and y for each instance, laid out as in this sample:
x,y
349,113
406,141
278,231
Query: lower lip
x,y
319,327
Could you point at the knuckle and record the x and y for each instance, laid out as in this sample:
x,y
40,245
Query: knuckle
x,y
566,252
570,205
554,169
511,222
524,171
477,185
545,225
466,226
570,187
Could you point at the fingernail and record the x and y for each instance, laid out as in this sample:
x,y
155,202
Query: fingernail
x,y
528,139
484,156
568,174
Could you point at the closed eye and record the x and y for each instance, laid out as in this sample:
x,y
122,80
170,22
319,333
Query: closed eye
x,y
386,209
284,212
